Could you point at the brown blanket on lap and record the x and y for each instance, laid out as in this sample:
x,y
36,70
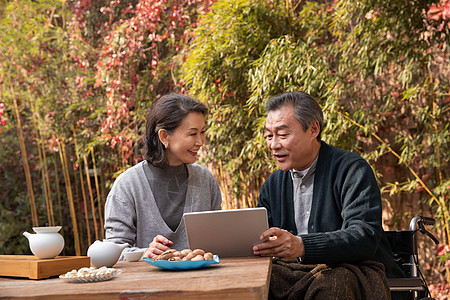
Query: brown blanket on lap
x,y
291,280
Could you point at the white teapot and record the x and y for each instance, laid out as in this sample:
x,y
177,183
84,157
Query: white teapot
x,y
105,253
47,242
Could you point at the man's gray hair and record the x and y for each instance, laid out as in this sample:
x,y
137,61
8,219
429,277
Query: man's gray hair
x,y
306,108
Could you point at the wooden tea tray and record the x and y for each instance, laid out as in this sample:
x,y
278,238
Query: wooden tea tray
x,y
34,268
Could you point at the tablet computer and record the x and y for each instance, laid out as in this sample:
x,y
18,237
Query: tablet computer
x,y
227,233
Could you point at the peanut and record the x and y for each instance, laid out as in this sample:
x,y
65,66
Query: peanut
x,y
185,252
184,255
189,256
198,252
156,257
197,258
208,256
177,254
175,258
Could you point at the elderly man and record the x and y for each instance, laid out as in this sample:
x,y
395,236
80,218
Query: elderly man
x,y
324,210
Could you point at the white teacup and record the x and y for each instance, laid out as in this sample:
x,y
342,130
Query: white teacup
x,y
133,255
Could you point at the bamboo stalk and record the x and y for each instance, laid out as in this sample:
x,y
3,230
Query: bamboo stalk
x,y
102,185
296,5
83,193
235,203
99,198
440,177
439,171
223,185
49,192
41,160
47,204
44,170
68,185
244,185
58,195
253,199
23,150
78,210
88,180
102,189
437,145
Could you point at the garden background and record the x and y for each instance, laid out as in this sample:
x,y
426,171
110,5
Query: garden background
x,y
77,79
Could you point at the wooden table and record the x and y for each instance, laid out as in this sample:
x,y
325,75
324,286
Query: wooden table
x,y
233,278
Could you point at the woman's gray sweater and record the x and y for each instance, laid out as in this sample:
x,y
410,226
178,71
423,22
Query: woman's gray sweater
x,y
132,215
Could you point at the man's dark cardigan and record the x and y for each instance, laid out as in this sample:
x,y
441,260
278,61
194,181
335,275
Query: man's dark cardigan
x,y
345,221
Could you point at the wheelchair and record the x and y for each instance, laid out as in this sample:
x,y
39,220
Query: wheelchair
x,y
404,247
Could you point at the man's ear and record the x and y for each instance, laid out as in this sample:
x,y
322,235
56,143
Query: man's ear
x,y
314,129
162,134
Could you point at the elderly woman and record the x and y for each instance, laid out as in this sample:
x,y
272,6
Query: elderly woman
x,y
146,203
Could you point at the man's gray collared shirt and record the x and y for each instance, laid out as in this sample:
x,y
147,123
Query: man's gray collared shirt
x,y
303,183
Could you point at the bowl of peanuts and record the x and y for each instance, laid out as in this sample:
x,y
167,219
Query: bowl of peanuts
x,y
90,274
186,259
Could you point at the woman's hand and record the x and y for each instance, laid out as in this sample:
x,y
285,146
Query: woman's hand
x,y
279,243
158,246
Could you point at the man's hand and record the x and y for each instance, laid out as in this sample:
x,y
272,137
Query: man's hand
x,y
279,243
158,246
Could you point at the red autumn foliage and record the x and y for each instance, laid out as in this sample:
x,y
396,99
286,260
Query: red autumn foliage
x,y
440,14
136,40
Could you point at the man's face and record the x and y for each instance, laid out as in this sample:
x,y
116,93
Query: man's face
x,y
292,147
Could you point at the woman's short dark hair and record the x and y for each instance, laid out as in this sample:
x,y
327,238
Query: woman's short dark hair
x,y
166,113
306,108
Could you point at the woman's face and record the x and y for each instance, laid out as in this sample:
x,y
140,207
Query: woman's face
x,y
187,139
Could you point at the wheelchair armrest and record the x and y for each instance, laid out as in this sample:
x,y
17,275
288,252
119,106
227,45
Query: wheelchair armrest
x,y
406,284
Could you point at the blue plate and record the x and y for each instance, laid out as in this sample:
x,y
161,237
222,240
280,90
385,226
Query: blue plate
x,y
182,265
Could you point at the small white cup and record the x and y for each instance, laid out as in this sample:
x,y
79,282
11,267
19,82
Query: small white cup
x,y
133,255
